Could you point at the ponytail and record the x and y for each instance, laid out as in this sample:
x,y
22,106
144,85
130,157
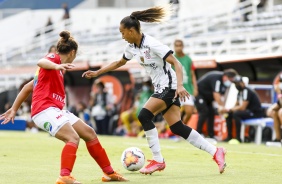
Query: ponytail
x,y
155,14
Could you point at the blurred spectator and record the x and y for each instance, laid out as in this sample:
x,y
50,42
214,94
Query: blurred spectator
x,y
102,108
261,5
189,79
245,14
211,87
129,118
52,49
49,26
175,7
66,16
66,11
84,113
275,111
248,106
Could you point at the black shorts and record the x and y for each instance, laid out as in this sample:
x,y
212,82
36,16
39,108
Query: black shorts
x,y
168,97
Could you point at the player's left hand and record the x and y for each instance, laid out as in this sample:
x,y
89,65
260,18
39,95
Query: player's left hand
x,y
8,116
182,93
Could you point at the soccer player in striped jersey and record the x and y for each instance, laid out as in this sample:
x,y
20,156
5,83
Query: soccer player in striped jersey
x,y
157,59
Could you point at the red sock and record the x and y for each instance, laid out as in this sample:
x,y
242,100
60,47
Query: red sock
x,y
68,158
100,156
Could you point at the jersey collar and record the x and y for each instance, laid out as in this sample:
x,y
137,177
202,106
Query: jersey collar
x,y
142,41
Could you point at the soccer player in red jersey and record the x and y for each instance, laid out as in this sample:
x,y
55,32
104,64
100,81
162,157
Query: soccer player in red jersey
x,y
47,112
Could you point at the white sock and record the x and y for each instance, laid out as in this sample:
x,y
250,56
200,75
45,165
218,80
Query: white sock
x,y
154,144
198,141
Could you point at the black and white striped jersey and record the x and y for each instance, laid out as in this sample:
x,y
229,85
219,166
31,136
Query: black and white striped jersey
x,y
152,56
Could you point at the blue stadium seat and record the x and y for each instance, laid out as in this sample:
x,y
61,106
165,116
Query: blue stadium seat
x,y
259,124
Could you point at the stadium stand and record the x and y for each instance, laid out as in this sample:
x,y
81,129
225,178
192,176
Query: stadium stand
x,y
100,39
217,33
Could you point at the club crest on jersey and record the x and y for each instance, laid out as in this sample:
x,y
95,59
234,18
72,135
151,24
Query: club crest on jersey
x,y
147,54
51,55
142,58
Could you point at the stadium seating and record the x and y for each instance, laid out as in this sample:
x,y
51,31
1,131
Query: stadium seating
x,y
259,124
213,33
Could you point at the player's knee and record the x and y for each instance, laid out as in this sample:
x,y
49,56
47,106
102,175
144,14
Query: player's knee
x,y
180,129
74,139
145,117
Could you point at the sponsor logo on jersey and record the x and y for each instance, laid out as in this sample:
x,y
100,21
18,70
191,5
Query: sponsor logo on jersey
x,y
58,97
51,55
58,117
153,65
147,54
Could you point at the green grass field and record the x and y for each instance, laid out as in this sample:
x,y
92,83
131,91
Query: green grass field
x,y
27,158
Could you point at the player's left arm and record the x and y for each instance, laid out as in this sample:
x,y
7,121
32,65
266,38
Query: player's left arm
x,y
181,91
10,114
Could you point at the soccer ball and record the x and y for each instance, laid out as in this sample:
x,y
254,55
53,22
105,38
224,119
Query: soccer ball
x,y
133,159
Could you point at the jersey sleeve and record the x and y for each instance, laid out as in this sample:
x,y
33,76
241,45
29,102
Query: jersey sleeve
x,y
53,57
161,50
246,96
127,55
216,86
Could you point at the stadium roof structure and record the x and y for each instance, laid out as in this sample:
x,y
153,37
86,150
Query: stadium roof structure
x,y
37,4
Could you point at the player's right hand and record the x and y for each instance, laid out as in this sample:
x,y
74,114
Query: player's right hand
x,y
65,66
8,116
89,74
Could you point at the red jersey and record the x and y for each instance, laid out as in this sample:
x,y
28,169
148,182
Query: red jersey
x,y
48,87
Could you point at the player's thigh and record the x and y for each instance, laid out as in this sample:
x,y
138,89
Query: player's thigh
x,y
155,105
188,109
172,115
83,130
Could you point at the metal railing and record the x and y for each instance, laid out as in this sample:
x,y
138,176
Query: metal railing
x,y
202,35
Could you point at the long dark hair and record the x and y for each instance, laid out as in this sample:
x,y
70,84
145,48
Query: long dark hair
x,y
66,43
155,14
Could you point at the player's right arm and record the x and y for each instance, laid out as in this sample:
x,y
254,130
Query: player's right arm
x,y
112,66
10,114
49,65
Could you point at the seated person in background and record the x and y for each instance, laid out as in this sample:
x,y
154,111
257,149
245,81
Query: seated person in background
x,y
275,110
129,118
248,106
